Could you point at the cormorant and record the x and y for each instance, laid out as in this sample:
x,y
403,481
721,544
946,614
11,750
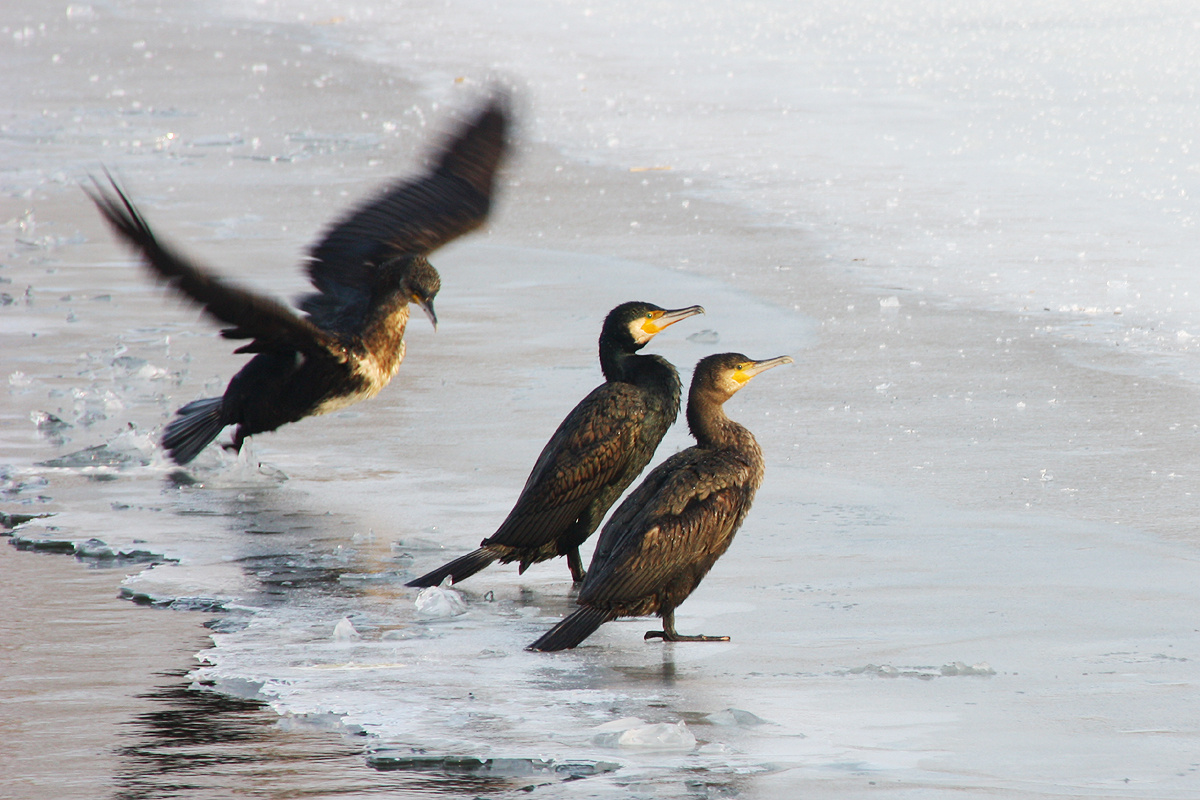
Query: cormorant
x,y
367,269
597,451
671,529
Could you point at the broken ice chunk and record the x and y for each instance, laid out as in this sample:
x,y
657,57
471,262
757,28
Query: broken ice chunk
x,y
344,631
632,734
435,602
735,716
98,456
622,724
47,422
129,363
959,668
94,548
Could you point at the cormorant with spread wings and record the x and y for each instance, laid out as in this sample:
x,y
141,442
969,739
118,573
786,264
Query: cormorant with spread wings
x,y
369,267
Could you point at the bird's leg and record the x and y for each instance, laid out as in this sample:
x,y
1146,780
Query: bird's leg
x,y
669,634
236,445
575,565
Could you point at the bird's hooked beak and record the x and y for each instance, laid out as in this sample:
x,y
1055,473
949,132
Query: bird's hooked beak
x,y
427,307
658,321
749,369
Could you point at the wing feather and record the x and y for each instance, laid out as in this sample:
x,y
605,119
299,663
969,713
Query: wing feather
x,y
678,521
588,453
410,218
253,316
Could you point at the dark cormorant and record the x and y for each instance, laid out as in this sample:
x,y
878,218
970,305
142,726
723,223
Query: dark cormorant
x,y
368,268
669,532
597,451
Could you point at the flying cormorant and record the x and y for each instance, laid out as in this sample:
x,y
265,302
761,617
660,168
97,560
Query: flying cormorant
x,y
668,533
368,268
597,451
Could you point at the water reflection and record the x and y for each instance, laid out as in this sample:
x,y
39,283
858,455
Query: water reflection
x,y
201,744
198,743
664,672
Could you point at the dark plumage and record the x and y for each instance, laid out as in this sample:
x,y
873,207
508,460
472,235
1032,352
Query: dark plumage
x,y
669,532
597,451
368,268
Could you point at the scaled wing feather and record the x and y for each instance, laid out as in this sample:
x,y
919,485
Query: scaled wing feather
x,y
672,522
588,451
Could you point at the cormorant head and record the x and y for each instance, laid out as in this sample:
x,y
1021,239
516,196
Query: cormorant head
x,y
420,285
724,373
634,324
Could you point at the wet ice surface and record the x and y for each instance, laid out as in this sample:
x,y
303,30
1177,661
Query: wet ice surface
x,y
945,584
876,637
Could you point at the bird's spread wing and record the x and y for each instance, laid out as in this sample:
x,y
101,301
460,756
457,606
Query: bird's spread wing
x,y
681,517
268,322
589,452
412,217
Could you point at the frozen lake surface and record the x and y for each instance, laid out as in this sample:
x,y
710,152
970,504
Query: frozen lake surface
x,y
972,566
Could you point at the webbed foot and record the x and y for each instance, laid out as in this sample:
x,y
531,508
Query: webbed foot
x,y
669,634
678,637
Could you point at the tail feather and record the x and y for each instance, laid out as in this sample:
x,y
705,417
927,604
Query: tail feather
x,y
573,630
194,426
457,570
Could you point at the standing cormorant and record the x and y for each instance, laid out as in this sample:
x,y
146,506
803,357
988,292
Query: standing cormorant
x,y
597,451
367,269
668,533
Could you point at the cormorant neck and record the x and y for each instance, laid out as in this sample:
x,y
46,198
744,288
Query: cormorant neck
x,y
707,421
383,333
616,358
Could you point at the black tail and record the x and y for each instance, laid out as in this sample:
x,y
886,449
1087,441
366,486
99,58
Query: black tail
x,y
573,630
194,426
457,570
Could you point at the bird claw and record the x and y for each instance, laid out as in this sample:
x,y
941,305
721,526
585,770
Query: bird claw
x,y
575,564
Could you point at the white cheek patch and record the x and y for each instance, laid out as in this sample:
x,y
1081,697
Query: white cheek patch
x,y
638,332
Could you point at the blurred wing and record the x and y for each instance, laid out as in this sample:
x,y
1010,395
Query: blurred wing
x,y
412,217
589,452
253,316
680,518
